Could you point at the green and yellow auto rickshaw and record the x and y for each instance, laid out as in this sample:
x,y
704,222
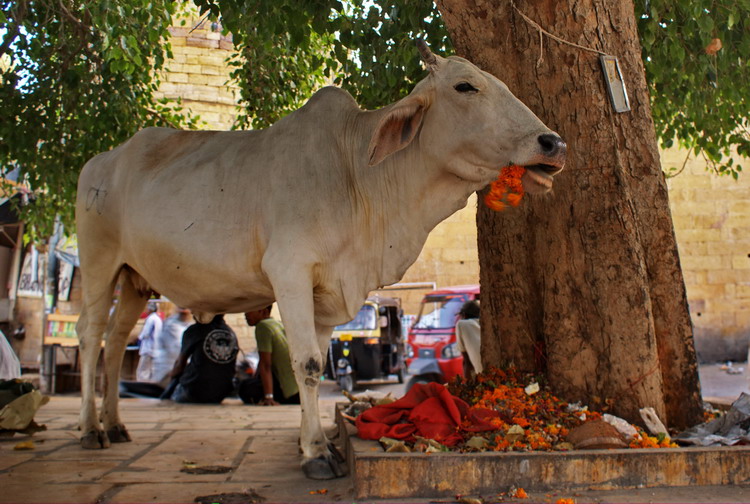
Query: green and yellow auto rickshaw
x,y
369,347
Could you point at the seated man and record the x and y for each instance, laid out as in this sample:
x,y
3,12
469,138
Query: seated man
x,y
205,368
168,344
468,338
274,382
165,352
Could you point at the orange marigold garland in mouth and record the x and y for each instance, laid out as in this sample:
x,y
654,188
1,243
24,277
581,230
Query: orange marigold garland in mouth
x,y
507,189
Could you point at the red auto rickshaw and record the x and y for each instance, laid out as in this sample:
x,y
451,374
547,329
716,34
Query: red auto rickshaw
x,y
431,352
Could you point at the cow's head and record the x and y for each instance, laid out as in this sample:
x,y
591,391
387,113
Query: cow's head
x,y
469,123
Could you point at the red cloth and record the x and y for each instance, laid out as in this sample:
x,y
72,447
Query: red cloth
x,y
427,410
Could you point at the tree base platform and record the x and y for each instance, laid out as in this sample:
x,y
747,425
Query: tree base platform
x,y
377,474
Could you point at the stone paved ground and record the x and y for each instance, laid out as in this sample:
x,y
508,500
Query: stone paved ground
x,y
259,444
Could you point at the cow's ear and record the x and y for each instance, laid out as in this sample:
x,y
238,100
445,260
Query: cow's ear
x,y
397,129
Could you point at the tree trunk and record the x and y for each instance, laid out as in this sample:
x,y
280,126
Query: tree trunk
x,y
585,284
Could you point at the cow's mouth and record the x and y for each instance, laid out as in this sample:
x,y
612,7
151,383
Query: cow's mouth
x,y
538,178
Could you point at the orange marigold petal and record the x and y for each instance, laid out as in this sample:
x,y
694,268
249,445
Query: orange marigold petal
x,y
494,204
514,199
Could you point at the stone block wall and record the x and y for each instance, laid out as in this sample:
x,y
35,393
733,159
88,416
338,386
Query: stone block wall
x,y
711,216
199,74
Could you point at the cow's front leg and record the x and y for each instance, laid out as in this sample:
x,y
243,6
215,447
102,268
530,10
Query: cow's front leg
x,y
90,329
126,315
297,313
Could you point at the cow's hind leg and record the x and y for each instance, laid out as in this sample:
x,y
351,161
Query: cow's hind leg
x,y
97,300
296,305
129,307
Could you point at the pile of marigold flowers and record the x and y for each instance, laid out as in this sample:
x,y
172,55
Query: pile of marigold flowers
x,y
507,189
530,417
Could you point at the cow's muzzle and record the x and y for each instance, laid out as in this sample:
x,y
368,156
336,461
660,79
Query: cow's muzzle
x,y
551,156
545,165
554,148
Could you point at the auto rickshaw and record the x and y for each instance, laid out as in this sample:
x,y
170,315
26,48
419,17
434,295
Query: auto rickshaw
x,y
369,347
431,352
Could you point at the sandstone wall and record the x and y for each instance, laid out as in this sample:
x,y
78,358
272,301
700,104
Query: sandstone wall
x,y
199,75
711,216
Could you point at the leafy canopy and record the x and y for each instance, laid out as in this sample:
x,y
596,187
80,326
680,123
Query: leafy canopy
x,y
80,76
291,48
697,57
76,78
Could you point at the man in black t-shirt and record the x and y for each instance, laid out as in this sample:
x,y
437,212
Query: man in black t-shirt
x,y
205,367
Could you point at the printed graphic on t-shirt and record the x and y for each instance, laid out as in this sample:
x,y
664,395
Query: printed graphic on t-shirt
x,y
219,346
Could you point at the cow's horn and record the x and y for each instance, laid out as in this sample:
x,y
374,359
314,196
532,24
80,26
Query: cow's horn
x,y
425,53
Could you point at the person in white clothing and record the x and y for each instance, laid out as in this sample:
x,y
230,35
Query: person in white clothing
x,y
10,366
168,344
166,350
147,339
468,338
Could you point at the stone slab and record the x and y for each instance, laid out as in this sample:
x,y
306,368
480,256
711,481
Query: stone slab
x,y
56,472
165,460
187,492
117,451
287,481
377,474
12,458
49,493
173,493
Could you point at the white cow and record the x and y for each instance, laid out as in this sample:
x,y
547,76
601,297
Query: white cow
x,y
314,212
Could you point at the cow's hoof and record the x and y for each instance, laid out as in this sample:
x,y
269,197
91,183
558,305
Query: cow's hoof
x,y
336,453
94,440
324,467
118,434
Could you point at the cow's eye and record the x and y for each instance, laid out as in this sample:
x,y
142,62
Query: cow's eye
x,y
465,87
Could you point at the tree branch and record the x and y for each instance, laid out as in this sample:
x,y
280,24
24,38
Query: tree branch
x,y
17,15
159,115
75,20
684,164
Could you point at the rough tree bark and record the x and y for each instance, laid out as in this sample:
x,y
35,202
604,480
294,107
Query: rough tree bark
x,y
584,285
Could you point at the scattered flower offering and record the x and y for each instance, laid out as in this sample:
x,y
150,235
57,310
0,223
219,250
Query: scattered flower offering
x,y
520,493
497,410
507,189
644,440
536,421
530,416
